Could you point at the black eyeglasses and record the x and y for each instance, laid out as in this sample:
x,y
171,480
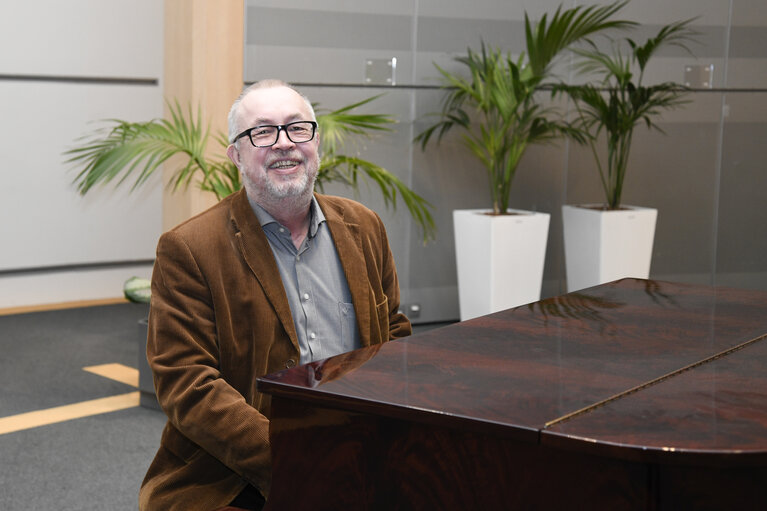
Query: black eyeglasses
x,y
268,134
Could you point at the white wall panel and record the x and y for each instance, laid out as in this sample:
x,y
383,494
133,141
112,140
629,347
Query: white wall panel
x,y
659,12
339,65
114,38
498,10
67,285
65,66
44,220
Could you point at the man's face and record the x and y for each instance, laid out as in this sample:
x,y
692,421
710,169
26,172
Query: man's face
x,y
286,169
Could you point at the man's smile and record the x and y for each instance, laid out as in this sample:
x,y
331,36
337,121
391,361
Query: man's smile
x,y
284,165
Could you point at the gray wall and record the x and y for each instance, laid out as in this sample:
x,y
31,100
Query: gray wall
x,y
705,175
63,67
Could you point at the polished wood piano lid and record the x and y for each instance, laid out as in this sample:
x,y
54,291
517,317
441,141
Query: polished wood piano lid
x,y
638,369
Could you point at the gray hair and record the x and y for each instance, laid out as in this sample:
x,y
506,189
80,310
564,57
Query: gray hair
x,y
269,83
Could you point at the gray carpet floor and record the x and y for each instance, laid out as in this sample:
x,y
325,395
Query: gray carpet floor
x,y
95,462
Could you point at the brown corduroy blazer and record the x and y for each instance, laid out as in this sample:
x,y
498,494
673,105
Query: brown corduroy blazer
x,y
219,319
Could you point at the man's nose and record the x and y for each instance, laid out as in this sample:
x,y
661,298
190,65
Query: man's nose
x,y
283,140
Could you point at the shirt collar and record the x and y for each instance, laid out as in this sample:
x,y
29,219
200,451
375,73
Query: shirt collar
x,y
317,217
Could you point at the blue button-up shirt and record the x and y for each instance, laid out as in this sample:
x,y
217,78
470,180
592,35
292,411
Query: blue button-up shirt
x,y
316,286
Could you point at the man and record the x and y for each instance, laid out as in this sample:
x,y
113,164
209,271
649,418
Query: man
x,y
270,277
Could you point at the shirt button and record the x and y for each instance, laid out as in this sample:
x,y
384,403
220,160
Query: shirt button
x,y
298,258
312,335
306,296
290,363
282,229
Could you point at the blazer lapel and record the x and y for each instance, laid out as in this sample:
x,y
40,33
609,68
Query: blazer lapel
x,y
255,249
349,247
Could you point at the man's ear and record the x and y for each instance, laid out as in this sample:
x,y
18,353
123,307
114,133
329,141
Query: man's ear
x,y
234,154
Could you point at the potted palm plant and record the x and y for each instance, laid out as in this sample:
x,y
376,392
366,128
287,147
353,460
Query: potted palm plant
x,y
610,240
498,109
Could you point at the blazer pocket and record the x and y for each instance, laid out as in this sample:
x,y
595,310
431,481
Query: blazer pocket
x,y
347,322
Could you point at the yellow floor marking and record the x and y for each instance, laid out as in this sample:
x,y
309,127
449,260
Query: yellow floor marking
x,y
118,372
23,309
68,412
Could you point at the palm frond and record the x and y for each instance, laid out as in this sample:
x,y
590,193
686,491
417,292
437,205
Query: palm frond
x,y
624,102
349,169
336,126
129,146
549,38
494,102
676,34
138,149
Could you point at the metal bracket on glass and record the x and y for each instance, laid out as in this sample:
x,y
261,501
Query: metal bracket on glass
x,y
699,77
380,71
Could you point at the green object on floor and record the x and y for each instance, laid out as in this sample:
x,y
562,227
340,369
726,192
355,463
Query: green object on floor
x,y
137,290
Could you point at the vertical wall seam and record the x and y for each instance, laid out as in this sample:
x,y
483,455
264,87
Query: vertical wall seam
x,y
720,151
411,135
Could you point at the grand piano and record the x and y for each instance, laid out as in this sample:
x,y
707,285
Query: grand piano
x,y
636,394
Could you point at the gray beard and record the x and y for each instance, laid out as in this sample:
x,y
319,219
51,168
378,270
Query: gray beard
x,y
291,188
288,195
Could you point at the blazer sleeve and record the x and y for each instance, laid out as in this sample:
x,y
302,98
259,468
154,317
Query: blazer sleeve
x,y
182,349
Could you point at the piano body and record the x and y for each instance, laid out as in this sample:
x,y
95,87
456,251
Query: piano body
x,y
636,394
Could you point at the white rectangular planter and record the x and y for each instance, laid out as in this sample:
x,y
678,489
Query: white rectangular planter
x,y
602,246
499,259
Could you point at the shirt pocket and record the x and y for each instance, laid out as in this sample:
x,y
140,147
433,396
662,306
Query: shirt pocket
x,y
348,323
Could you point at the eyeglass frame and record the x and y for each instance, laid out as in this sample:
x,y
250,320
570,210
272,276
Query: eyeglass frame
x,y
280,127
